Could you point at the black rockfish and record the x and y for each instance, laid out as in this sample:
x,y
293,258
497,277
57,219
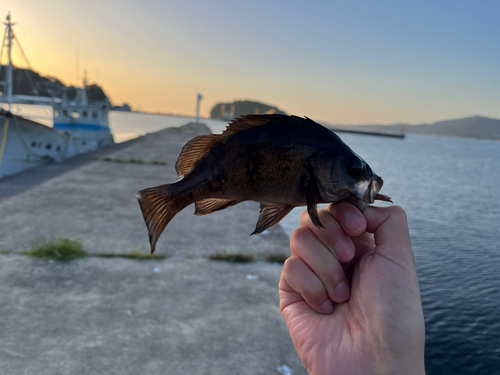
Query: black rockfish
x,y
279,161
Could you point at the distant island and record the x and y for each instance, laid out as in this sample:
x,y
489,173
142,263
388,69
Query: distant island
x,y
228,111
29,82
478,127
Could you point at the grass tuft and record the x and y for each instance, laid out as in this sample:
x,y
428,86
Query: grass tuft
x,y
62,249
277,258
131,161
135,254
233,257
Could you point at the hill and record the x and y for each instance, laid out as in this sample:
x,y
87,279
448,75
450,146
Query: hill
x,y
470,127
228,111
29,82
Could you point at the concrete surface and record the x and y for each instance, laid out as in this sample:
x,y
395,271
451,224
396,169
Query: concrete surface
x,y
95,202
184,314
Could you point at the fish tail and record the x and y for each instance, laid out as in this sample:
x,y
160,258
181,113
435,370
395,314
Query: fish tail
x,y
158,208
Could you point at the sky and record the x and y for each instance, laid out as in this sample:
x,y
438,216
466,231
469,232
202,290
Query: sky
x,y
340,62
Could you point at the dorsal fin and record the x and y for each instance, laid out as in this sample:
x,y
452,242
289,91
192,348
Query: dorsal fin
x,y
198,147
194,151
250,121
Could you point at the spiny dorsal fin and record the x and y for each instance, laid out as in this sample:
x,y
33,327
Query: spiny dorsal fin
x,y
270,215
198,147
207,206
250,121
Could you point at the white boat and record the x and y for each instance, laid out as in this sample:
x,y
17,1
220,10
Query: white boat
x,y
79,125
84,120
26,144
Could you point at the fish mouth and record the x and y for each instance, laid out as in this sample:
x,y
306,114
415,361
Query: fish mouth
x,y
366,192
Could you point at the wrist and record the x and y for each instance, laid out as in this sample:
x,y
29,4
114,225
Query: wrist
x,y
402,365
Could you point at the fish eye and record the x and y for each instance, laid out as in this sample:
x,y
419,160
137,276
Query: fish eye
x,y
355,166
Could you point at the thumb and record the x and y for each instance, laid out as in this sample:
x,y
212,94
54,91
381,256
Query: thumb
x,y
390,228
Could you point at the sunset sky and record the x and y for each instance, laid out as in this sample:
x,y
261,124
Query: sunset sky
x,y
334,61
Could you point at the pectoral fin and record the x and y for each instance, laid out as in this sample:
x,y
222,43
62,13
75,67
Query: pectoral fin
x,y
270,215
207,206
312,196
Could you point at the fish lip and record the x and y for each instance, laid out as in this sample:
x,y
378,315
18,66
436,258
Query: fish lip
x,y
365,192
368,189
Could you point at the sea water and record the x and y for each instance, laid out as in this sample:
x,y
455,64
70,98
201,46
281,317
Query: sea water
x,y
449,188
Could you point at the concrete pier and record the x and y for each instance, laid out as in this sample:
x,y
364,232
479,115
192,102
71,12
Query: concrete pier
x,y
367,131
185,314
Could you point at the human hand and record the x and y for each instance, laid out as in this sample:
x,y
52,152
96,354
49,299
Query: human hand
x,y
364,263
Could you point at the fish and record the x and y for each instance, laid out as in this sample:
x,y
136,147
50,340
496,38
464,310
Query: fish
x,y
279,161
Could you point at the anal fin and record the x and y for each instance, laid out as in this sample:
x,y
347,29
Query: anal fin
x,y
270,215
207,206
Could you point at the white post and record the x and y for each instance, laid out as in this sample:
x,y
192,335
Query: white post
x,y
199,98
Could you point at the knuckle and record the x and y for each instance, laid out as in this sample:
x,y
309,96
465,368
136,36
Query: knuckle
x,y
293,265
398,212
299,237
304,216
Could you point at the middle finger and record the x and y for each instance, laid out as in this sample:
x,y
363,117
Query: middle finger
x,y
332,235
306,245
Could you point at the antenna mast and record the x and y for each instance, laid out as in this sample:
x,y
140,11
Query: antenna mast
x,y
9,54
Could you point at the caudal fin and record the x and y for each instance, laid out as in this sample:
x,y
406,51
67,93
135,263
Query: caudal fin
x,y
157,209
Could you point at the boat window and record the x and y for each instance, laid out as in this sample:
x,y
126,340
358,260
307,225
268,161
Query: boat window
x,y
58,148
65,113
48,146
84,113
33,144
56,113
75,114
94,114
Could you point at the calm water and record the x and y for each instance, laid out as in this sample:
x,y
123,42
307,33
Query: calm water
x,y
450,190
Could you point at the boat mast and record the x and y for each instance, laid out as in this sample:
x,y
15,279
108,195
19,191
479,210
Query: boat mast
x,y
9,54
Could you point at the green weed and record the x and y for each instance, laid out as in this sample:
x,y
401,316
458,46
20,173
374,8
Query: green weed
x,y
277,258
62,249
233,257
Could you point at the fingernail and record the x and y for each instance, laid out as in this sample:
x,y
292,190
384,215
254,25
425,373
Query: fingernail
x,y
327,307
352,222
342,291
344,250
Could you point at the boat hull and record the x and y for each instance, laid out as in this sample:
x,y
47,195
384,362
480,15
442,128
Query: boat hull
x,y
93,136
27,144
